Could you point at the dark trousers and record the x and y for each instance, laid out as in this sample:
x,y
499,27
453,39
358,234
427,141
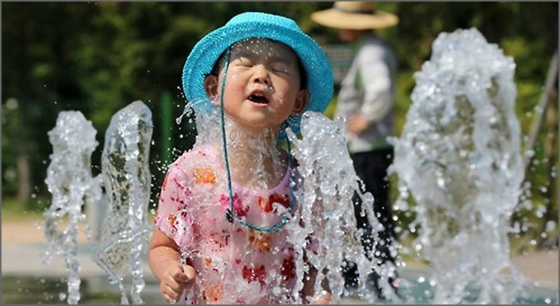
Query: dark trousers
x,y
371,167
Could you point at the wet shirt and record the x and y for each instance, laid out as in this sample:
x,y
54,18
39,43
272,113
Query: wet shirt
x,y
234,263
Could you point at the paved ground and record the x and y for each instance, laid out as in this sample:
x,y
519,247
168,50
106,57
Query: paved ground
x,y
23,247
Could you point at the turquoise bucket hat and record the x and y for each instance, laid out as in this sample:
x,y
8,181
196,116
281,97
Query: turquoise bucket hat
x,y
206,52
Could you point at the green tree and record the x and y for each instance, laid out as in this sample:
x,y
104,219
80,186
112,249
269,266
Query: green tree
x,y
98,57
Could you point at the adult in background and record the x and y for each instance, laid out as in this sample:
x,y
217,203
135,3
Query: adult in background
x,y
366,100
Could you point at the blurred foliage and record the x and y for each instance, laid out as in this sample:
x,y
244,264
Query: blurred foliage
x,y
97,57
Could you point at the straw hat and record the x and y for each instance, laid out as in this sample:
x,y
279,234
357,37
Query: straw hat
x,y
252,25
354,16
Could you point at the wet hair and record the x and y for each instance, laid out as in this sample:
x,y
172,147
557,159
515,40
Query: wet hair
x,y
222,61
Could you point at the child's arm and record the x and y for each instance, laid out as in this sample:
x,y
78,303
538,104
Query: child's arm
x,y
164,259
321,297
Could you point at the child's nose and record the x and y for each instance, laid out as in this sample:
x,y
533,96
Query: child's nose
x,y
261,75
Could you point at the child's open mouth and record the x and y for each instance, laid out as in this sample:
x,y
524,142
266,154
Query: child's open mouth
x,y
258,98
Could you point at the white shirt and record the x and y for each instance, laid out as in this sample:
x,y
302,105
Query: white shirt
x,y
369,88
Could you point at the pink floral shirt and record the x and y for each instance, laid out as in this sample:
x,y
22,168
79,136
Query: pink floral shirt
x,y
234,263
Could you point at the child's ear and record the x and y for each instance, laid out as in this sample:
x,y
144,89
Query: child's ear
x,y
301,101
211,87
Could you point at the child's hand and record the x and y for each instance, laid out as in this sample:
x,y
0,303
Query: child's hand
x,y
175,280
323,297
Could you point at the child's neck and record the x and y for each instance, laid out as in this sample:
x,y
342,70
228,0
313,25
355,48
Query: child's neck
x,y
256,160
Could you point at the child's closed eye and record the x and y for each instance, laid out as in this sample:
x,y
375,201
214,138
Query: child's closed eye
x,y
243,62
280,67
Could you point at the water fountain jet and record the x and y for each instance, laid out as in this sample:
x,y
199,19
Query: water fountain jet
x,y
459,156
126,178
71,184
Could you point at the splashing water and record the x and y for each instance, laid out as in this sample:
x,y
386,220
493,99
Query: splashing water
x,y
71,184
459,155
327,182
126,177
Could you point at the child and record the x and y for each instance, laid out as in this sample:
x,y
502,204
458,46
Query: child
x,y
220,233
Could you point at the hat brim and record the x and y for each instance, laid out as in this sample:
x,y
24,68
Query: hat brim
x,y
354,21
207,51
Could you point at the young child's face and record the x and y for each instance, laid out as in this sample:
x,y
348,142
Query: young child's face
x,y
262,88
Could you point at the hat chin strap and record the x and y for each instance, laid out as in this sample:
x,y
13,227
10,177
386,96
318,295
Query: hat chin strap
x,y
230,215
